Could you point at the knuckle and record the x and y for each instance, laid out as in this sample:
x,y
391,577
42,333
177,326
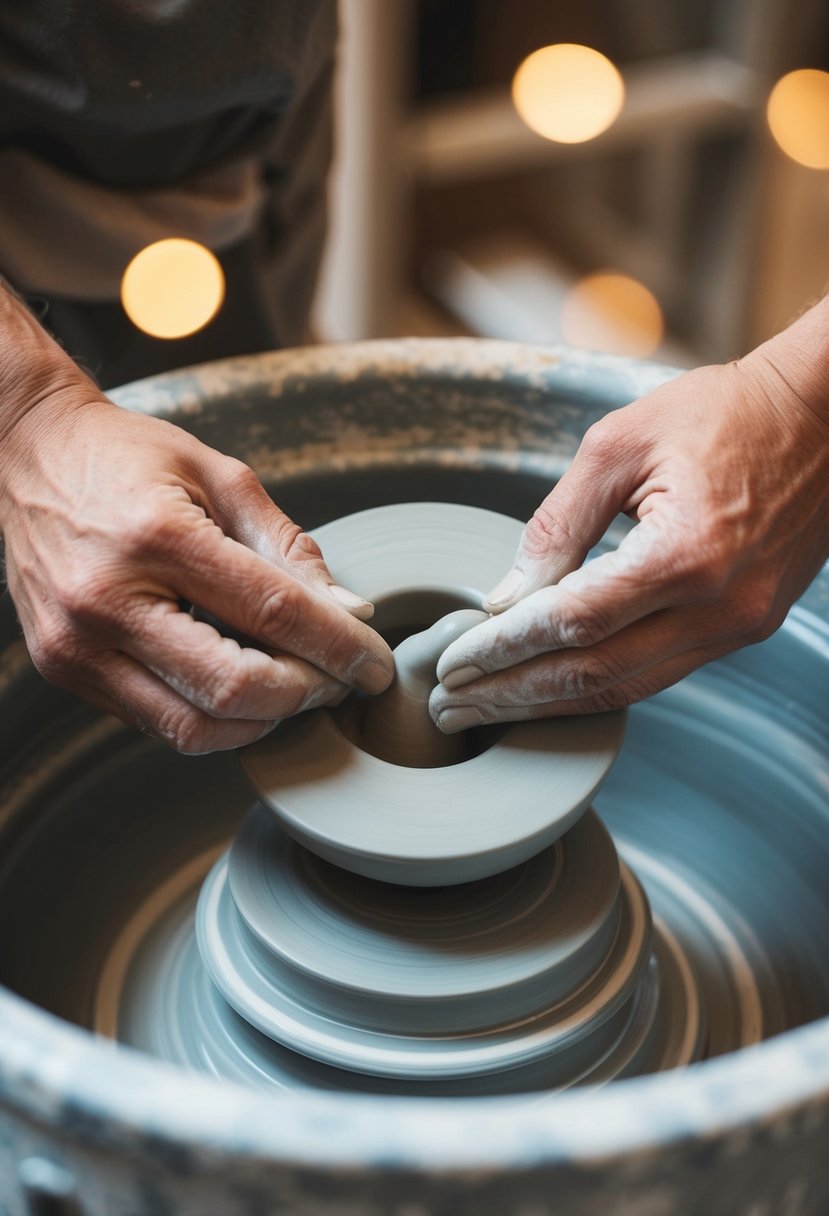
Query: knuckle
x,y
92,598
337,653
150,530
578,624
296,545
86,600
709,576
592,677
278,614
547,532
240,479
774,618
704,566
754,617
53,650
693,576
597,439
74,593
226,697
186,729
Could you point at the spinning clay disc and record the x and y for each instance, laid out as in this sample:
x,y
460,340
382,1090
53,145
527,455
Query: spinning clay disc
x,y
452,822
403,983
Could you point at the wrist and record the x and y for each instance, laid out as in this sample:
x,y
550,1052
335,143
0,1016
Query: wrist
x,y
796,361
41,389
33,368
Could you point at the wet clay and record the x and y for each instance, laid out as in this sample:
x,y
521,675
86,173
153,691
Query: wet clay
x,y
396,726
409,913
387,795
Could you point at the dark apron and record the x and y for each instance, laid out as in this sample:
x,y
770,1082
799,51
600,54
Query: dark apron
x,y
122,123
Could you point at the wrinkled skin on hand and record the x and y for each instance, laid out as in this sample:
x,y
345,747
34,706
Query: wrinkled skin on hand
x,y
726,471
112,521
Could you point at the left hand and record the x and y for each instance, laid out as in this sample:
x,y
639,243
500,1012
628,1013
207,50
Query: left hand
x,y
726,470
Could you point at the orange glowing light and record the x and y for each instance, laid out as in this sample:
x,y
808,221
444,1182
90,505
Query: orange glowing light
x,y
798,116
612,312
568,93
172,288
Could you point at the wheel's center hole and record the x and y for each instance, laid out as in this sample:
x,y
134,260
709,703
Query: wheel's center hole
x,y
396,726
403,613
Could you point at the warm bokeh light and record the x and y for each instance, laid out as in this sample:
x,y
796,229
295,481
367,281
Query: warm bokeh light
x,y
798,115
568,93
612,312
172,288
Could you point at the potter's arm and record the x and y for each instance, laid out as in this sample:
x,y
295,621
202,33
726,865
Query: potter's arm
x,y
726,470
111,519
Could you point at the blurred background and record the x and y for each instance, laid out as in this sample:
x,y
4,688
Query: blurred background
x,y
649,177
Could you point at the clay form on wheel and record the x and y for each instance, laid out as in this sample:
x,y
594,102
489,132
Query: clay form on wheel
x,y
536,968
440,926
413,912
396,726
427,826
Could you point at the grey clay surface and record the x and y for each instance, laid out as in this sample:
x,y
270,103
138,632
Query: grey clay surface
x,y
426,826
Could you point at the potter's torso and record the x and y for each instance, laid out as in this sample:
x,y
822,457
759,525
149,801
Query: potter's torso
x,y
144,94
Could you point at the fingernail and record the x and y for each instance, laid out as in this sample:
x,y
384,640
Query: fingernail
x,y
506,590
347,598
372,676
460,676
452,720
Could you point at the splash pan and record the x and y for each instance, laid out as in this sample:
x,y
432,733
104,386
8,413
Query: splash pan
x,y
716,813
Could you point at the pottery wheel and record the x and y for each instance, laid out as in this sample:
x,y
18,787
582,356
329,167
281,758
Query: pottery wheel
x,y
406,911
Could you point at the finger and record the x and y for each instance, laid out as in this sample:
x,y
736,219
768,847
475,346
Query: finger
x,y
571,519
244,510
217,674
576,675
122,687
270,606
605,595
450,716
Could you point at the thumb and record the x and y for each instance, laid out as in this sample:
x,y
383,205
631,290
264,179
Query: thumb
x,y
570,520
244,510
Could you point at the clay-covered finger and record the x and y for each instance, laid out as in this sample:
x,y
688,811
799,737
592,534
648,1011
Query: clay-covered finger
x,y
571,519
244,511
121,686
611,592
582,674
452,712
220,676
278,612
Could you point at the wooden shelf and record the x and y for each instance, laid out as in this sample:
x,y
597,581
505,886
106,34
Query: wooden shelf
x,y
481,134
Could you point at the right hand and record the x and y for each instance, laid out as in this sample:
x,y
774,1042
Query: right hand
x,y
111,520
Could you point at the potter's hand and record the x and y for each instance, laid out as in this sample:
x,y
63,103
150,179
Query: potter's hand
x,y
726,470
112,519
